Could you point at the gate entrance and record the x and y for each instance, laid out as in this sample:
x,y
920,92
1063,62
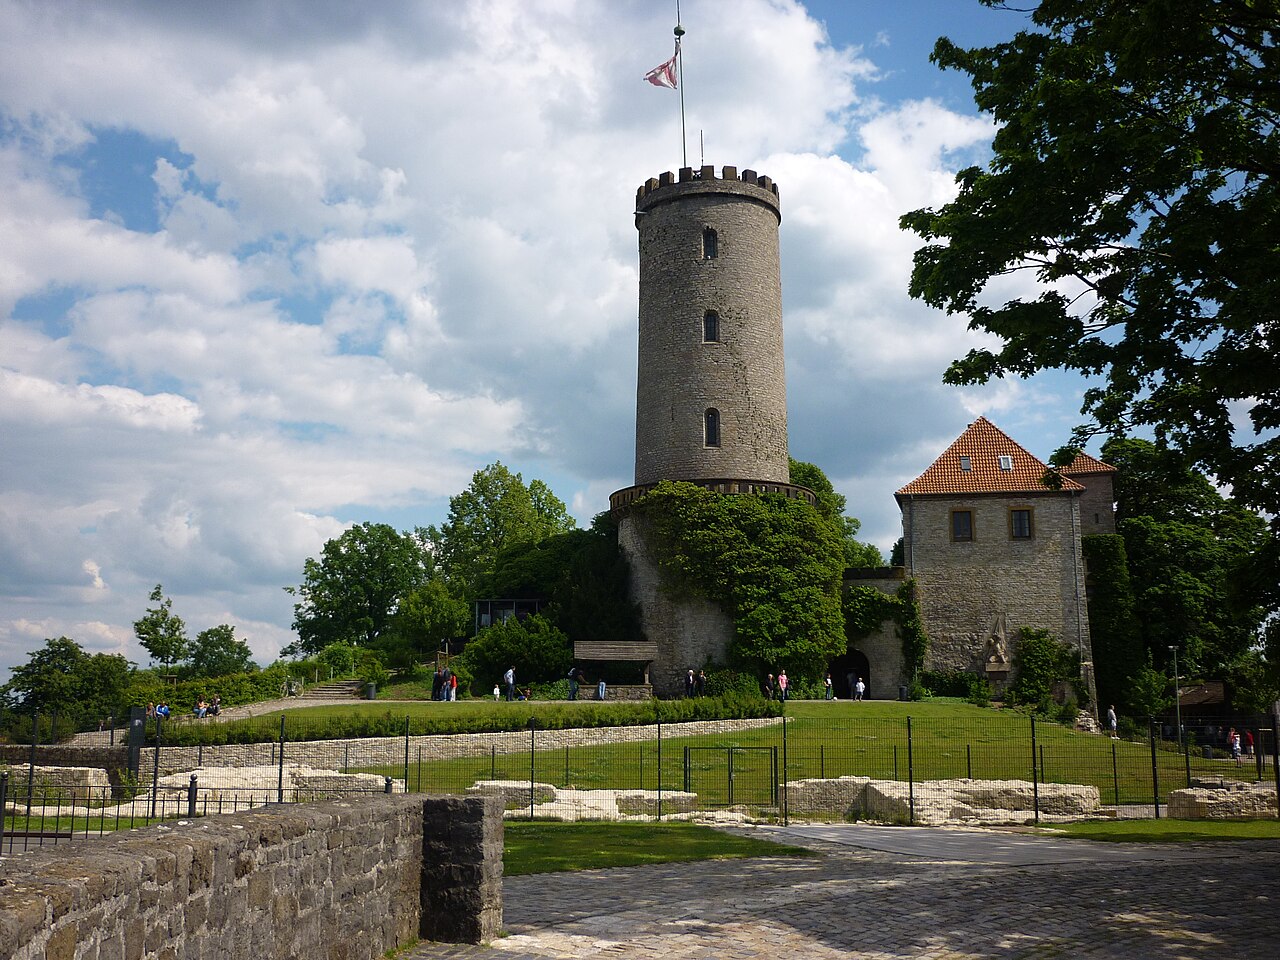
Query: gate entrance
x,y
724,776
845,670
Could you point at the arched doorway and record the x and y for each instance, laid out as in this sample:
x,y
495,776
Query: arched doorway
x,y
852,662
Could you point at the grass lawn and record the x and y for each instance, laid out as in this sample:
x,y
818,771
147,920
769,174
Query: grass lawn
x,y
543,847
1168,831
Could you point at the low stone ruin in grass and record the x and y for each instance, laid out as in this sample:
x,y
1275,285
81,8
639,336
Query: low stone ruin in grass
x,y
1217,798
941,801
570,803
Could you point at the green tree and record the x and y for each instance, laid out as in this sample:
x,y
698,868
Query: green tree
x,y
62,677
581,574
1191,552
1114,632
1133,176
773,563
496,510
429,614
538,651
831,506
352,592
217,653
162,633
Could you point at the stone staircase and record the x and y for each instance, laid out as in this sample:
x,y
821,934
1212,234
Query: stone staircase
x,y
336,690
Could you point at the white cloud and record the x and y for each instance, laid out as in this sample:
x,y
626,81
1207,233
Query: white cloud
x,y
395,243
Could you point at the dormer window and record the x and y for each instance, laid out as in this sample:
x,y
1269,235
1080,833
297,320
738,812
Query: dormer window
x,y
1006,462
966,464
709,244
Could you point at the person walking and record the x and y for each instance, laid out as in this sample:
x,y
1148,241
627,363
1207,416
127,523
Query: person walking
x,y
828,692
573,683
783,685
768,687
1111,721
700,684
859,689
509,678
690,681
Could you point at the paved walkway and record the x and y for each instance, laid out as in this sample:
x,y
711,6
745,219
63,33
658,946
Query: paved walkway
x,y
893,892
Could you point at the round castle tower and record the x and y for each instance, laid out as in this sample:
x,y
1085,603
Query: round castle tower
x,y
711,401
711,391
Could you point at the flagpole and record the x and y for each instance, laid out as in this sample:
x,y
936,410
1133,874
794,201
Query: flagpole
x,y
684,140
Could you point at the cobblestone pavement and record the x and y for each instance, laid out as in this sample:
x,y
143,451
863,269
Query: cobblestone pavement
x,y
1144,903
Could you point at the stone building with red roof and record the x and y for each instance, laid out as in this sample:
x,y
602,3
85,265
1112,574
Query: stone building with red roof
x,y
993,548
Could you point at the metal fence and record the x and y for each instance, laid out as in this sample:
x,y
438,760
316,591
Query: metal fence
x,y
1000,767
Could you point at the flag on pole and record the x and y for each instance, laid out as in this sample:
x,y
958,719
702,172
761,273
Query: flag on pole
x,y
664,75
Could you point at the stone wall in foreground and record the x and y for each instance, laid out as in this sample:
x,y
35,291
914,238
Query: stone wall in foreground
x,y
341,880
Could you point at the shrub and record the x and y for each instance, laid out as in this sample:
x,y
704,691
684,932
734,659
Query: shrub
x,y
1040,662
539,652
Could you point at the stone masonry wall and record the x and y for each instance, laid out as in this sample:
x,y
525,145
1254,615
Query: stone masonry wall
x,y
969,591
334,880
689,631
741,374
883,647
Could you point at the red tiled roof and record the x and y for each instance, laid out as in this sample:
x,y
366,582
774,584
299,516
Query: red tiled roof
x,y
1083,463
983,445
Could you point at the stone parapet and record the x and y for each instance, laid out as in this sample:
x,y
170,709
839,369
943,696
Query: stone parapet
x,y
338,880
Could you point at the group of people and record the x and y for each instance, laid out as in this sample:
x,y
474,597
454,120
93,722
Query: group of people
x,y
779,688
1240,744
444,684
203,708
695,684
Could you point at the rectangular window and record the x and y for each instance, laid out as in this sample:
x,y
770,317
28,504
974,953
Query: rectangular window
x,y
1006,463
961,525
709,244
711,327
1020,525
966,464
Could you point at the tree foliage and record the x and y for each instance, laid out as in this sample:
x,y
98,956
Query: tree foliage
x,y
352,592
161,632
1114,633
62,677
1133,176
429,614
773,563
831,506
497,510
216,653
1191,552
538,651
1040,661
581,574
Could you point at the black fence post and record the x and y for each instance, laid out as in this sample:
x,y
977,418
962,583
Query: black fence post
x,y
1186,758
895,762
1155,773
1035,779
155,766
566,765
1275,761
1257,752
786,800
4,807
533,725
406,753
493,763
659,770
968,760
191,797
280,768
822,761
911,775
31,764
1115,773
687,788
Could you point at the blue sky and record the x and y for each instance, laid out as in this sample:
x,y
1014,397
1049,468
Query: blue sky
x,y
269,268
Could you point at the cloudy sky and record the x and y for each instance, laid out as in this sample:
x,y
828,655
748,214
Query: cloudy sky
x,y
271,268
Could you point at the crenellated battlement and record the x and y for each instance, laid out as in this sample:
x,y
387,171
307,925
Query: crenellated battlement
x,y
705,175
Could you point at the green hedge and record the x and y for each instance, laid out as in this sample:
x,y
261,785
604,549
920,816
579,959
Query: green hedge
x,y
503,718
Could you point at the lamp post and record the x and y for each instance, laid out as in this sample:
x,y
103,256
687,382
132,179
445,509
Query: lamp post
x,y
1177,699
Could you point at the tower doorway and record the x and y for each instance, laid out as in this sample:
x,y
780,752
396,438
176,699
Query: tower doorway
x,y
845,671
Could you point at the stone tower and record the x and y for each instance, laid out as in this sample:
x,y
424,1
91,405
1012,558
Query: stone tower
x,y
711,392
711,405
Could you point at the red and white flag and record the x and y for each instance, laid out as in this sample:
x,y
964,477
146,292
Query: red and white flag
x,y
664,75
